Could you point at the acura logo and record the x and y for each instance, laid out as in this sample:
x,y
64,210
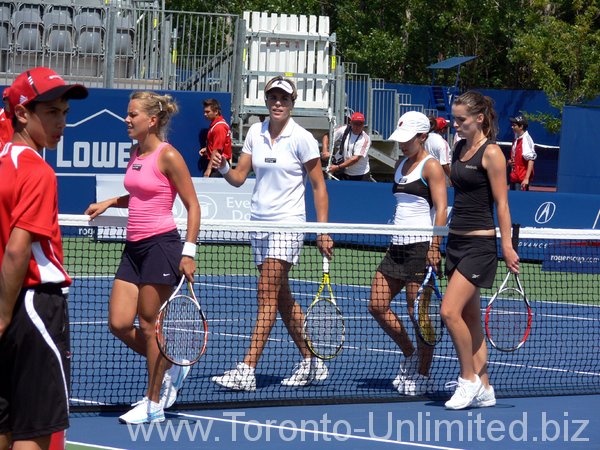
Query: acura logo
x,y
545,212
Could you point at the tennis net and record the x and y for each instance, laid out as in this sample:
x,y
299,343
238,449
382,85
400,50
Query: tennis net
x,y
560,270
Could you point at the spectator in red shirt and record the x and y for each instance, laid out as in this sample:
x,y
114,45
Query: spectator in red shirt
x,y
34,326
218,138
522,155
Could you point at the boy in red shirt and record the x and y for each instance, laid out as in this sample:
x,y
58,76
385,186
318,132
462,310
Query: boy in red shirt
x,y
522,155
218,137
34,327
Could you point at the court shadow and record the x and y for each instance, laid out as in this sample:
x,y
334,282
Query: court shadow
x,y
441,403
383,384
263,381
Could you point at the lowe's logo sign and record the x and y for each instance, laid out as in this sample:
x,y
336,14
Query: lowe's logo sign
x,y
545,212
80,150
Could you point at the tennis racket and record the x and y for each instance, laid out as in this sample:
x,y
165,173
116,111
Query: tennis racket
x,y
508,315
181,326
323,329
427,317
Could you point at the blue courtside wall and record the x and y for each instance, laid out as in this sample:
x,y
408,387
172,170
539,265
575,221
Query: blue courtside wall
x,y
507,104
579,162
357,202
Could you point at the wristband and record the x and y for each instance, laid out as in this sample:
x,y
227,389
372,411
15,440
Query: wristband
x,y
189,249
224,170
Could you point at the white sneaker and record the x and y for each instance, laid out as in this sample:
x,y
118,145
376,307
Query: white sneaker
x,y
307,371
416,385
241,378
146,411
408,366
485,398
145,399
465,392
172,382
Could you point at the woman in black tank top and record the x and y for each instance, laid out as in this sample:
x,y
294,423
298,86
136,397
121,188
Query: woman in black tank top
x,y
478,175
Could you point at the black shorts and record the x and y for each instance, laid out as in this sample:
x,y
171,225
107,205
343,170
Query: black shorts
x,y
476,257
405,262
154,260
365,177
35,354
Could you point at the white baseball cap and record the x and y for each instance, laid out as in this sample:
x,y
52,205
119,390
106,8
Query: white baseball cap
x,y
409,125
282,83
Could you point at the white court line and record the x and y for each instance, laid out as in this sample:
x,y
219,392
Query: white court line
x,y
226,286
398,351
83,444
316,432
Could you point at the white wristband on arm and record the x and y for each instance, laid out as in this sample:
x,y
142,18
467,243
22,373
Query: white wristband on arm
x,y
189,249
224,170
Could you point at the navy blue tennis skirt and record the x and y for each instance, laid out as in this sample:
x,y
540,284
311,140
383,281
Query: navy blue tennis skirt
x,y
154,260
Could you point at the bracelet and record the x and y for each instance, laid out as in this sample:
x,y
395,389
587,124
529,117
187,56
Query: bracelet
x,y
189,249
224,170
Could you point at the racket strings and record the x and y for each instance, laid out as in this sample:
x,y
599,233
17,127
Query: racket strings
x,y
182,334
428,316
508,319
324,328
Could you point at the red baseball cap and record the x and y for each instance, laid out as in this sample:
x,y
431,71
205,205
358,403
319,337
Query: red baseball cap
x,y
39,84
357,117
441,123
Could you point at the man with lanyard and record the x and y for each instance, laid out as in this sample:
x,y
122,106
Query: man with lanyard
x,y
350,159
522,155
34,325
218,137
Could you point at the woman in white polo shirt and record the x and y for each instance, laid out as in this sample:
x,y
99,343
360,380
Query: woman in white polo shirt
x,y
282,154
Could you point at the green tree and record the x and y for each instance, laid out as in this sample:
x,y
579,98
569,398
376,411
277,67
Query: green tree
x,y
553,45
559,52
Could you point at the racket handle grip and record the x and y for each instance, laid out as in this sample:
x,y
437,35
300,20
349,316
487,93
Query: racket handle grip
x,y
325,264
515,235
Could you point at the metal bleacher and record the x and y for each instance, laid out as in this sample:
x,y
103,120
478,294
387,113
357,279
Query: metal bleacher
x,y
69,36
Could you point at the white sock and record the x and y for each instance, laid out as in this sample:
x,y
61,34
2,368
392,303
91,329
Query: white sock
x,y
154,406
246,368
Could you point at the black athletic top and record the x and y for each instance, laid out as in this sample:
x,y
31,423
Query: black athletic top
x,y
473,207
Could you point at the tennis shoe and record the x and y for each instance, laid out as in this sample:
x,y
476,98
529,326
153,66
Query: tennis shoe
x,y
242,378
307,371
146,411
172,383
408,367
485,398
465,393
145,399
416,385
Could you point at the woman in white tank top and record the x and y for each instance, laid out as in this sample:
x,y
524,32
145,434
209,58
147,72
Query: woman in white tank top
x,y
419,186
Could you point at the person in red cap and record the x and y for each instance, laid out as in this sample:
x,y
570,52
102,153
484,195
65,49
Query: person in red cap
x,y
34,327
436,145
350,159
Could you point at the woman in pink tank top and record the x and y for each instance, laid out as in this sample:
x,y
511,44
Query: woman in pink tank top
x,y
154,257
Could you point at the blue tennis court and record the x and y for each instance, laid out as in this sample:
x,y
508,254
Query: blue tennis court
x,y
106,372
516,423
540,387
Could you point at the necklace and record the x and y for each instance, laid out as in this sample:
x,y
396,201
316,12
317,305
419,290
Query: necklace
x,y
475,145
